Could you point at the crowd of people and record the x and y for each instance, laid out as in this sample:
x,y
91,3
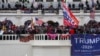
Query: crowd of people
x,y
27,5
7,27
52,29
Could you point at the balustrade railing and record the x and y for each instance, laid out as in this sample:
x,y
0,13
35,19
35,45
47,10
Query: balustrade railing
x,y
36,11
44,11
9,37
35,36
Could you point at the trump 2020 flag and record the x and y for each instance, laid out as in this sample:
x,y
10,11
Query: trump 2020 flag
x,y
69,18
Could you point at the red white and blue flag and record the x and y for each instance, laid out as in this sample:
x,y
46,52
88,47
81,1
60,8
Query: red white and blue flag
x,y
38,21
69,18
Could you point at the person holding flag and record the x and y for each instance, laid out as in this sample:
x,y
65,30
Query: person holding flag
x,y
31,24
29,36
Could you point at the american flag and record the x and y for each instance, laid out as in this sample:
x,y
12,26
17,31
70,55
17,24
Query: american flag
x,y
38,21
69,18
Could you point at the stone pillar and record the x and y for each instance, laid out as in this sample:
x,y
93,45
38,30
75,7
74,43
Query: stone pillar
x,y
18,11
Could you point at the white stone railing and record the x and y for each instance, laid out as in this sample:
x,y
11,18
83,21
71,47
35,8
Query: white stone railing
x,y
8,11
9,37
39,11
55,37
36,36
